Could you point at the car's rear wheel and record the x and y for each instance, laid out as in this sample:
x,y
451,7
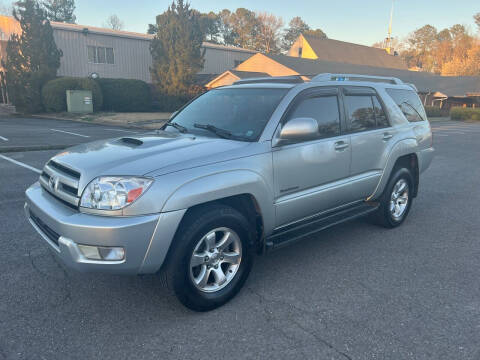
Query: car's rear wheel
x,y
211,257
396,200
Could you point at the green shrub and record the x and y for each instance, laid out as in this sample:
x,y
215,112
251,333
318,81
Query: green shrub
x,y
458,113
125,95
54,95
435,111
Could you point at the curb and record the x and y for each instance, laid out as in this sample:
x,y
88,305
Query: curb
x,y
110,123
10,149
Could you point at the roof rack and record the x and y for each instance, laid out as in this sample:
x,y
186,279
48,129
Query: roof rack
x,y
293,79
356,77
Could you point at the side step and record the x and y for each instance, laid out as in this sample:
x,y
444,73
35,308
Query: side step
x,y
295,232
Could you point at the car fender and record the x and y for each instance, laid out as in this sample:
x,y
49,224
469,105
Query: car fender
x,y
221,185
402,147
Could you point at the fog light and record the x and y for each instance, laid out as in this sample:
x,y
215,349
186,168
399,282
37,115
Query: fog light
x,y
102,253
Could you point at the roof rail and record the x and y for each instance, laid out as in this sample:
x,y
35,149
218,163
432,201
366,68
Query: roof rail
x,y
356,77
412,86
293,79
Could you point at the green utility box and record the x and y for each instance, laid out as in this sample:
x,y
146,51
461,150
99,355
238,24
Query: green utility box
x,y
79,101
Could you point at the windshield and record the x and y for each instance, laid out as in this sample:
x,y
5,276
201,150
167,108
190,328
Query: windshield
x,y
240,113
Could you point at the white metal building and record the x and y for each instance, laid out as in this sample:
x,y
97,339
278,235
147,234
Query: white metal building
x,y
119,54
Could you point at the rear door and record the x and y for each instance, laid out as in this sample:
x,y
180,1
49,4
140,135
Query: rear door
x,y
309,175
371,134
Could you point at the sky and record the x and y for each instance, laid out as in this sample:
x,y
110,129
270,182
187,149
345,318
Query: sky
x,y
358,21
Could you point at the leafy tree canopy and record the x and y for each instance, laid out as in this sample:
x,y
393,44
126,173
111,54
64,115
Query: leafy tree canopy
x,y
176,49
60,10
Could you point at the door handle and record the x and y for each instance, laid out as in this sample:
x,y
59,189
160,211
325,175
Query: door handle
x,y
387,136
341,145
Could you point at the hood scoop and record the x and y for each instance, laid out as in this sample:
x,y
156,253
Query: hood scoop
x,y
131,141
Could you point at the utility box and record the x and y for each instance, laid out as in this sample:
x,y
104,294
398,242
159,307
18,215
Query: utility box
x,y
79,101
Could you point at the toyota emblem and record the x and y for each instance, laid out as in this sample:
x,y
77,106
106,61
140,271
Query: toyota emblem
x,y
53,182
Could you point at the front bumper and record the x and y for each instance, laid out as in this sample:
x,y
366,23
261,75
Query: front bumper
x,y
146,239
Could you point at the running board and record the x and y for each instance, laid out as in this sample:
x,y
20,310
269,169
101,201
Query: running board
x,y
295,232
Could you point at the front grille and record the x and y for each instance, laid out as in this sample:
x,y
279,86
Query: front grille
x,y
64,169
52,235
61,182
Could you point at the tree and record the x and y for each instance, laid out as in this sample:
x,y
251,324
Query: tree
x,y
210,25
468,65
176,50
317,33
226,30
422,42
32,57
60,10
296,26
244,27
476,17
113,22
268,39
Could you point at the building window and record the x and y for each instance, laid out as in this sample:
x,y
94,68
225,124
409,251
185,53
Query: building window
x,y
300,52
100,55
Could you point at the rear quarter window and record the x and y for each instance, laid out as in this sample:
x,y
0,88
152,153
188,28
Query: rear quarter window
x,y
409,103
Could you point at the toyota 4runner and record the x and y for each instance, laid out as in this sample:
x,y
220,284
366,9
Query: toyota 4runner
x,y
241,169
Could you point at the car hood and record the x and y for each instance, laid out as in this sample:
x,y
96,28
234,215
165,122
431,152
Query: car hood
x,y
162,153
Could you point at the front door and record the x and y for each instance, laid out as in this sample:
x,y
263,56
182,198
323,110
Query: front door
x,y
309,176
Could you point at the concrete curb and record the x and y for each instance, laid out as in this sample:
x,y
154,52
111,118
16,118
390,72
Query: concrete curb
x,y
96,122
9,149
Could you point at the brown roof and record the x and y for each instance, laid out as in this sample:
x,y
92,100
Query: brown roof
x,y
340,51
425,82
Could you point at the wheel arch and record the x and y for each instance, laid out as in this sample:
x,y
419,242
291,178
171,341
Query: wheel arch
x,y
402,154
244,190
410,161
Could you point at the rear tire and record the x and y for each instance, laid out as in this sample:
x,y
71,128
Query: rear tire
x,y
396,200
211,258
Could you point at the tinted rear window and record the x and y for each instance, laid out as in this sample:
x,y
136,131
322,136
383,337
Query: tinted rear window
x,y
410,104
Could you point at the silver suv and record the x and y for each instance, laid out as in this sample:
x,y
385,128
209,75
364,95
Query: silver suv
x,y
240,170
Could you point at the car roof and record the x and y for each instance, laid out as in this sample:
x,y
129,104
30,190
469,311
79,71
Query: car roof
x,y
288,82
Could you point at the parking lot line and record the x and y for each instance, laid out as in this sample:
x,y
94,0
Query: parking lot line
x,y
21,164
71,133
3,138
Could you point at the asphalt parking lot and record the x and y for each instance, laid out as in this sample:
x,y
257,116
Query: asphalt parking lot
x,y
355,291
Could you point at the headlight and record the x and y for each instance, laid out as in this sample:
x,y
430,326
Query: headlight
x,y
113,192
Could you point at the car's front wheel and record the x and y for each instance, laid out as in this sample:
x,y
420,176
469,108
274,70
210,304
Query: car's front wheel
x,y
211,257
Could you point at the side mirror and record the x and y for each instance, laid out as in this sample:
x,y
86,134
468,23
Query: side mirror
x,y
298,129
172,115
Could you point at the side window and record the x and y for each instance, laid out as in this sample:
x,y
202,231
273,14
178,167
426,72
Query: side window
x,y
324,109
380,116
110,56
360,113
408,101
92,54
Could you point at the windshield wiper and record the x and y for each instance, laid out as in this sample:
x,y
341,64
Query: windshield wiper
x,y
220,132
179,127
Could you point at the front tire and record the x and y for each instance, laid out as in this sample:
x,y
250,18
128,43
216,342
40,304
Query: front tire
x,y
211,257
396,200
